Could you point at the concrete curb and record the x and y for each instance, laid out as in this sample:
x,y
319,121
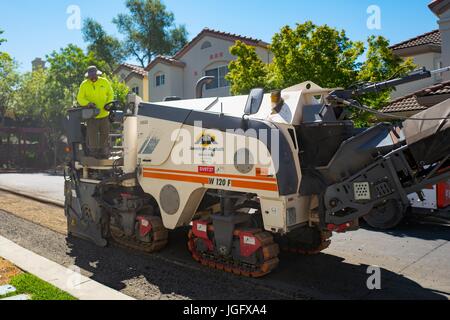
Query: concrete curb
x,y
79,286
33,197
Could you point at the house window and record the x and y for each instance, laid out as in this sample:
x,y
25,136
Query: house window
x,y
160,80
219,75
206,45
135,90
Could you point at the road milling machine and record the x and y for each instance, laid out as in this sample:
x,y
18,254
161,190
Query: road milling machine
x,y
248,179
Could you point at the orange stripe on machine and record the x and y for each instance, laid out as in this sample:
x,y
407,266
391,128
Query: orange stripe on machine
x,y
201,179
172,177
259,178
254,185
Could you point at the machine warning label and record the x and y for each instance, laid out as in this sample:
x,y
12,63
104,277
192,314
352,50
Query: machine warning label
x,y
250,240
220,182
205,169
202,227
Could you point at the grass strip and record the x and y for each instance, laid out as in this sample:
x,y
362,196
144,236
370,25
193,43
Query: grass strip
x,y
36,288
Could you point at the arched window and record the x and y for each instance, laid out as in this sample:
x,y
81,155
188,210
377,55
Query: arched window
x,y
206,45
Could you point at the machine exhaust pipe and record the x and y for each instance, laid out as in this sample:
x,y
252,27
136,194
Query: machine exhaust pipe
x,y
200,84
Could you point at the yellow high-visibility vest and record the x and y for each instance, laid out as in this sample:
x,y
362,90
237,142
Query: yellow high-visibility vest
x,y
99,92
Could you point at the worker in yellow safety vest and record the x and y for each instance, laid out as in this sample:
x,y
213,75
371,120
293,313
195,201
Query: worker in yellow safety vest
x,y
96,92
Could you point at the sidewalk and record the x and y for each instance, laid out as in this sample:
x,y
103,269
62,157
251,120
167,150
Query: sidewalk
x,y
77,285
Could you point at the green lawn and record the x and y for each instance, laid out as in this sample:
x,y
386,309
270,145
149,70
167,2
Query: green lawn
x,y
38,289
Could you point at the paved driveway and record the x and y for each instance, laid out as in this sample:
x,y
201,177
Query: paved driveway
x,y
38,184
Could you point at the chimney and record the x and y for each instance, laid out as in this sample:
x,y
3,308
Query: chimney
x,y
441,8
37,63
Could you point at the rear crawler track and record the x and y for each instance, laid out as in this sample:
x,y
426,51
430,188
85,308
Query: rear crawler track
x,y
320,243
265,250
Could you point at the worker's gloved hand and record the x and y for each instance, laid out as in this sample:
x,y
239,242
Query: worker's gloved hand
x,y
92,105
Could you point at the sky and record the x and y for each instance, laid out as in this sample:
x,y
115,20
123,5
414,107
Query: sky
x,y
35,28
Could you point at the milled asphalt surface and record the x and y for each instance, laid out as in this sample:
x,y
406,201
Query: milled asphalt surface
x,y
142,277
414,262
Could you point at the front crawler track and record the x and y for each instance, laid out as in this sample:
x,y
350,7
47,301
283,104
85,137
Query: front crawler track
x,y
158,237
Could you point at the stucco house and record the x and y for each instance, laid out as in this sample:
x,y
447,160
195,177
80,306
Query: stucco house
x,y
136,78
207,54
430,50
425,50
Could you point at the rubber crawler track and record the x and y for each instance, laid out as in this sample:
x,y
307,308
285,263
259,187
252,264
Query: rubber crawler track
x,y
269,250
324,244
160,237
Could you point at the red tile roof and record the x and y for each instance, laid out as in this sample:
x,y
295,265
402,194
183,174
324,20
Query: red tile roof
x,y
133,68
434,4
221,35
441,88
205,32
429,38
165,60
408,103
411,103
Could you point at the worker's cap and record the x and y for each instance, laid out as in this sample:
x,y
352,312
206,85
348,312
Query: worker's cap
x,y
275,96
93,71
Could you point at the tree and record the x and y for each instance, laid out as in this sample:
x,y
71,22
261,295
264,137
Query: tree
x,y
103,46
320,54
150,30
68,68
41,102
247,71
120,89
380,64
2,39
9,78
314,53
31,96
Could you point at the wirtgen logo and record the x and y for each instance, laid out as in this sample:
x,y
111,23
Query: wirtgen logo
x,y
206,140
211,147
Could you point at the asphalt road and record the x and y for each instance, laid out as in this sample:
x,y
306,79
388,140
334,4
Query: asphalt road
x,y
414,262
140,276
172,274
